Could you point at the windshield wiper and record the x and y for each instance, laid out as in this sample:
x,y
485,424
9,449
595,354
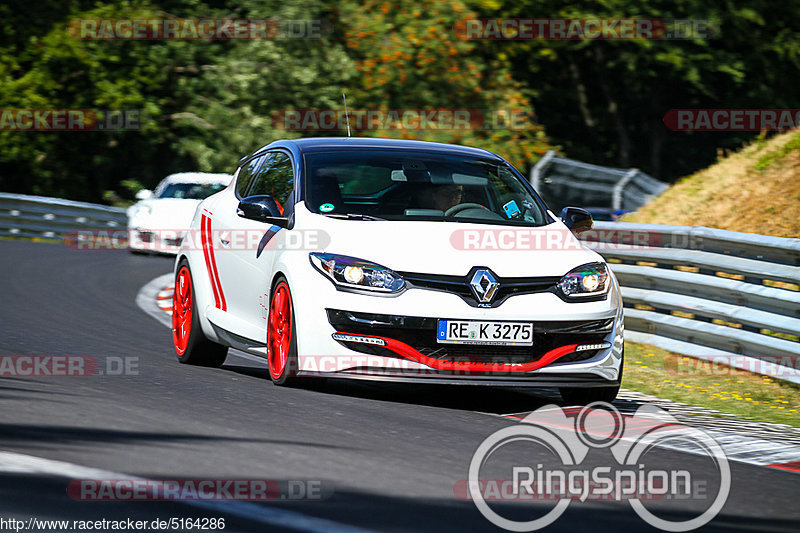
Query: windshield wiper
x,y
353,216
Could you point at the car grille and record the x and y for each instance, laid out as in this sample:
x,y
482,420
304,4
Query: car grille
x,y
420,334
460,285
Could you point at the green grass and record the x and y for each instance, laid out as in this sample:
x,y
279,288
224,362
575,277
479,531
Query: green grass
x,y
777,155
754,190
651,370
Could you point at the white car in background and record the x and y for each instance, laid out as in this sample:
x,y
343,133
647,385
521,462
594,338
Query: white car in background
x,y
157,222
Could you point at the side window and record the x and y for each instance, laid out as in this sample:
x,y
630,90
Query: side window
x,y
276,179
246,174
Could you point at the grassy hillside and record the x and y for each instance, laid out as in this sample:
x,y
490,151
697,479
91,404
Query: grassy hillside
x,y
756,190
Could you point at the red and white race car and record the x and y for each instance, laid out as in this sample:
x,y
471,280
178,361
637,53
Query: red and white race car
x,y
396,260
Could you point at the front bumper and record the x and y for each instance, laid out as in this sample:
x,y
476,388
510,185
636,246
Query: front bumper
x,y
408,320
586,353
155,241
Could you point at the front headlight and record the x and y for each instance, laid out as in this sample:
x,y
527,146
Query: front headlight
x,y
355,273
585,281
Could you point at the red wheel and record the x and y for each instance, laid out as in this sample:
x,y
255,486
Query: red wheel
x,y
191,345
281,336
182,301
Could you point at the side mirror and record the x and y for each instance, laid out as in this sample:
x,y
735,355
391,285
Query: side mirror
x,y
576,219
261,208
144,194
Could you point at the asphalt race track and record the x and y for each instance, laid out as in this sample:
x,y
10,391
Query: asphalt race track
x,y
387,458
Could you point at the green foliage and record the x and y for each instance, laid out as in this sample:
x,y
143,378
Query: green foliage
x,y
58,71
751,59
204,104
230,105
408,57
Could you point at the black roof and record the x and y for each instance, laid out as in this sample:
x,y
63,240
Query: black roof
x,y
325,144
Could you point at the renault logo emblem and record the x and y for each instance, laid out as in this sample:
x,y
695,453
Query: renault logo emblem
x,y
484,285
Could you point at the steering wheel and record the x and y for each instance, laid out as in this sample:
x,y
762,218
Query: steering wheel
x,y
463,207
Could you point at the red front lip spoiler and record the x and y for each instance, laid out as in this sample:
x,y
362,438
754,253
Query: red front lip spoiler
x,y
406,351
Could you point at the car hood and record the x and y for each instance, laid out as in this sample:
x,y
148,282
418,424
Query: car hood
x,y
453,248
168,213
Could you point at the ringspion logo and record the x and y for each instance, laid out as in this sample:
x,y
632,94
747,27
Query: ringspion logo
x,y
558,444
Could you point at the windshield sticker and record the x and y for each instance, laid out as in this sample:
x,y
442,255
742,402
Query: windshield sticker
x,y
398,175
326,208
511,209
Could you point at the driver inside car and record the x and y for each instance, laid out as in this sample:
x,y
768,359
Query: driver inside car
x,y
446,196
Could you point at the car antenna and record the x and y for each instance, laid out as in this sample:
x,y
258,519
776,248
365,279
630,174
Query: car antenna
x,y
346,115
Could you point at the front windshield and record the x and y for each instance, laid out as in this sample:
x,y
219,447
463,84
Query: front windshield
x,y
409,185
191,191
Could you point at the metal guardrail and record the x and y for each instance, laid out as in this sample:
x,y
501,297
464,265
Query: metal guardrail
x,y
698,291
569,182
703,291
51,218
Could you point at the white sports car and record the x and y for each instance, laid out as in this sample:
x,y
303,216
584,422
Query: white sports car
x,y
400,261
157,222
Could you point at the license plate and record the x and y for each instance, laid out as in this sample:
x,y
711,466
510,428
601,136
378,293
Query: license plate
x,y
493,333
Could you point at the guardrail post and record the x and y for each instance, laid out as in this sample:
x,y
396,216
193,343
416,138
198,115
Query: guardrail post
x,y
539,167
616,198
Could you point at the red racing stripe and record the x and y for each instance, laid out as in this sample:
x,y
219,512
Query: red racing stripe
x,y
410,353
204,238
222,305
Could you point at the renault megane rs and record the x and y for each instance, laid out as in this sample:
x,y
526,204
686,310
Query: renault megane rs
x,y
400,261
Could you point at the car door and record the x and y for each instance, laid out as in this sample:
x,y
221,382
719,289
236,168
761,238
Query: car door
x,y
246,248
227,233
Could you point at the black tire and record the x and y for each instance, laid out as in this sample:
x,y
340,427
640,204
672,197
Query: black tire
x,y
288,375
199,350
587,395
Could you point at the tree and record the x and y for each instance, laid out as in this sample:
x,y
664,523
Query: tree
x,y
605,100
408,56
